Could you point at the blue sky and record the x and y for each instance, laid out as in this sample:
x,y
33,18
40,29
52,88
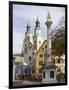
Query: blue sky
x,y
22,14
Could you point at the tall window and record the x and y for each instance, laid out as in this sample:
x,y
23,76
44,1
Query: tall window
x,y
43,74
30,45
29,58
45,46
33,53
40,62
25,50
51,74
34,41
59,60
39,42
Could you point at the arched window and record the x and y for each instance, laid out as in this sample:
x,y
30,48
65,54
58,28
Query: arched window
x,y
44,74
40,62
45,46
59,60
30,45
39,42
51,74
25,49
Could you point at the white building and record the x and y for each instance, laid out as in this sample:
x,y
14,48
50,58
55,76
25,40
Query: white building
x,y
31,44
27,45
37,39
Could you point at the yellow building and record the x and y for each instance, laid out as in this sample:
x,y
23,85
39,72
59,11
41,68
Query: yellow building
x,y
40,59
60,63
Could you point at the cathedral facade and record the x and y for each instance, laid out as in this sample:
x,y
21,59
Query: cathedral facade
x,y
31,44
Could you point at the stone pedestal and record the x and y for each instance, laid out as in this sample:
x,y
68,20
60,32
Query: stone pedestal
x,y
49,74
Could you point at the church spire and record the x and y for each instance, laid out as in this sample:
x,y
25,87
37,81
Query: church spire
x,y
37,23
28,26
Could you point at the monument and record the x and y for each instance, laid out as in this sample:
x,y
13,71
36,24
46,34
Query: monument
x,y
49,69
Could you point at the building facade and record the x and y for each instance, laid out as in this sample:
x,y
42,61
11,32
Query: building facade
x,y
31,44
60,63
18,61
40,60
27,45
37,39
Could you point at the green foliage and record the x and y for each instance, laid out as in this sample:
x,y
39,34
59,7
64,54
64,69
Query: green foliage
x,y
58,43
58,38
61,77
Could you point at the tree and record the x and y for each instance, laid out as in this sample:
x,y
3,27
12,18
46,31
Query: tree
x,y
58,40
61,77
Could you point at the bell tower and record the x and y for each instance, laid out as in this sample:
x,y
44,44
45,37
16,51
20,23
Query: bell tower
x,y
37,39
27,44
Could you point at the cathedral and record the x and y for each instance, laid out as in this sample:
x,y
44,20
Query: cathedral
x,y
31,44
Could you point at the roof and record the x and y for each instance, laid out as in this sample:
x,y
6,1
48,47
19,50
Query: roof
x,y
41,46
52,66
17,55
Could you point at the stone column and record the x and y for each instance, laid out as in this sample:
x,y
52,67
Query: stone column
x,y
48,24
49,70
